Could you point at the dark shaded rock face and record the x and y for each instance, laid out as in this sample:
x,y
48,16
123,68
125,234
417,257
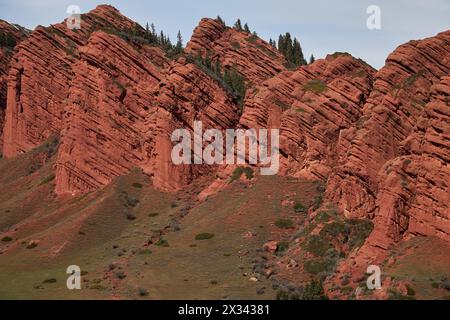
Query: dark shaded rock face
x,y
11,35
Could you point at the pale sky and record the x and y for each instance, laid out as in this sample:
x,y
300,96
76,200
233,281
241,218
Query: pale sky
x,y
321,26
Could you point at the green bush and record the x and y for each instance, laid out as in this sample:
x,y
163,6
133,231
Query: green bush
x,y
162,243
323,216
314,291
32,245
284,223
51,280
360,230
334,229
317,202
299,207
137,185
237,173
318,246
410,291
142,292
204,236
7,239
7,40
282,246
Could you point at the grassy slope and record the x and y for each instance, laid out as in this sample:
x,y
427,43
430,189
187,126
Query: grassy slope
x,y
93,232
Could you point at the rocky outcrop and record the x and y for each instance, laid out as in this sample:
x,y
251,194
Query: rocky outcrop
x,y
251,56
185,95
406,193
109,98
311,106
10,36
413,194
40,76
401,91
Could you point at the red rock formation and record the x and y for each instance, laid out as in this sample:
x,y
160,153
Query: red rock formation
x,y
414,188
311,106
186,94
252,57
410,193
108,101
401,90
40,75
413,196
15,34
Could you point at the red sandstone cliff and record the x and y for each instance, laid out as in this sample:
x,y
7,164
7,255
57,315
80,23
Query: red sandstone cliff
x,y
110,96
380,140
252,57
40,75
400,92
311,106
11,35
397,169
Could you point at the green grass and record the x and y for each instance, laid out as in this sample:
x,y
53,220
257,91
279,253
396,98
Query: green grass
x,y
162,243
316,266
235,45
284,223
47,179
204,236
317,246
145,252
99,216
315,86
98,287
137,185
394,295
283,106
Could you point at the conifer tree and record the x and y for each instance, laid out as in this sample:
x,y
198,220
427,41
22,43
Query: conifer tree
x,y
238,25
218,68
312,59
179,45
147,32
220,20
291,49
246,28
